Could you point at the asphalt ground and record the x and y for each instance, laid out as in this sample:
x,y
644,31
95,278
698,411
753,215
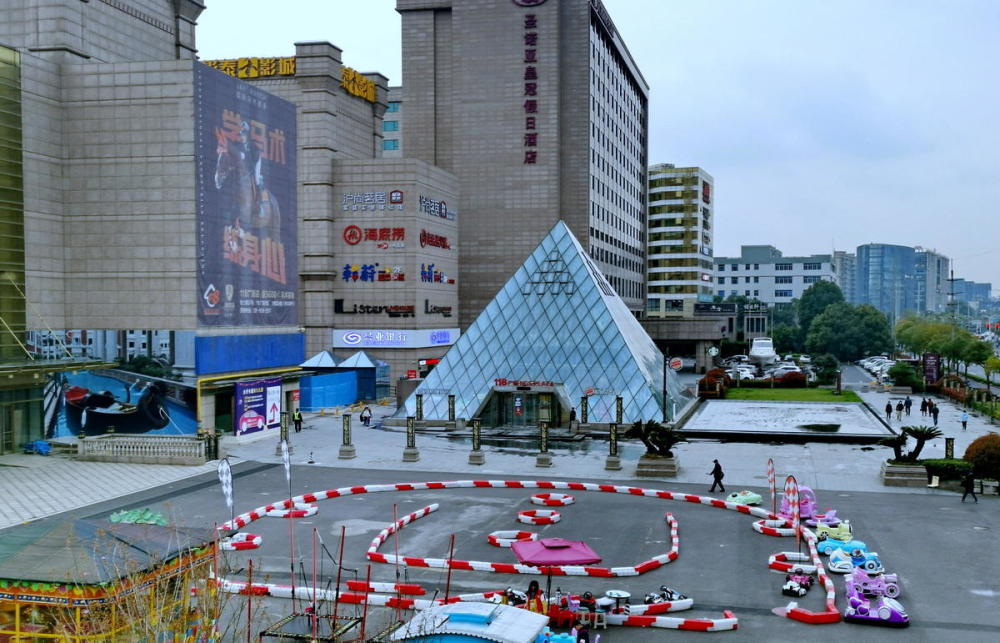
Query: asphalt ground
x,y
940,548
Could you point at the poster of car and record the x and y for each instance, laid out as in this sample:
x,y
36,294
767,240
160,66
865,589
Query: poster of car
x,y
258,406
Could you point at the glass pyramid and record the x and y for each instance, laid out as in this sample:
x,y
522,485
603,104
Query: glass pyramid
x,y
558,321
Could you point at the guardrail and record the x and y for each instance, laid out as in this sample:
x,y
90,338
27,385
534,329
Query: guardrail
x,y
144,449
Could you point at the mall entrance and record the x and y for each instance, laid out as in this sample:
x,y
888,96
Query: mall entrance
x,y
522,408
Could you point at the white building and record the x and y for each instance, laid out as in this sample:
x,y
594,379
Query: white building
x,y
764,274
679,247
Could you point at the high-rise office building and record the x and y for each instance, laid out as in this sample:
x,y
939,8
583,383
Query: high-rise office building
x,y
392,125
886,279
845,268
680,238
540,111
931,280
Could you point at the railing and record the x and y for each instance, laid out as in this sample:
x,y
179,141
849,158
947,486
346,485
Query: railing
x,y
144,449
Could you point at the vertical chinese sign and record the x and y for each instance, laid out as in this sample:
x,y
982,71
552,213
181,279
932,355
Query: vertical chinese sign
x,y
530,77
246,217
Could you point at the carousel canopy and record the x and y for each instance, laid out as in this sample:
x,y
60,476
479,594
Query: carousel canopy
x,y
89,552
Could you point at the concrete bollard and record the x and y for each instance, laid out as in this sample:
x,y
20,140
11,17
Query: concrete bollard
x,y
410,453
613,462
476,456
544,458
347,450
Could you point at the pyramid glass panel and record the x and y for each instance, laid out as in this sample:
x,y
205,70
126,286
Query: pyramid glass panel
x,y
555,329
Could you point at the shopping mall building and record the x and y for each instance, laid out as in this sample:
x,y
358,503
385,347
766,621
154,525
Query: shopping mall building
x,y
239,210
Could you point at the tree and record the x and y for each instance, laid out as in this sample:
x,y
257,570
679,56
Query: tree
x,y
984,454
786,338
849,332
976,351
904,375
921,434
991,365
815,300
827,368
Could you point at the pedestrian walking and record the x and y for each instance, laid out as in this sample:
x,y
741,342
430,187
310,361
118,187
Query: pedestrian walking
x,y
969,487
964,419
899,410
907,403
923,406
366,416
717,476
888,411
935,411
297,418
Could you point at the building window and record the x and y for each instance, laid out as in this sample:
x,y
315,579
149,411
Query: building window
x,y
390,126
782,293
756,280
783,280
746,280
747,267
722,267
812,266
782,266
390,144
746,293
721,293
756,293
810,280
722,280
734,280
393,106
756,266
735,267
732,293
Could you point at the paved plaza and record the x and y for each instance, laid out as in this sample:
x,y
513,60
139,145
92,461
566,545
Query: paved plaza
x,y
722,562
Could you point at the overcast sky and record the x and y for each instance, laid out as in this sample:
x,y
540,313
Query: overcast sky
x,y
825,124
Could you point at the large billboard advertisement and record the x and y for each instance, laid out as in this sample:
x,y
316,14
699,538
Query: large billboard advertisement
x,y
246,212
258,406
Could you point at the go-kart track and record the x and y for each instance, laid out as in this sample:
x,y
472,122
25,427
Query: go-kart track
x,y
707,554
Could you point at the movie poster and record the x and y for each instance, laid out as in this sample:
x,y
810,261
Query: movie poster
x,y
258,406
246,211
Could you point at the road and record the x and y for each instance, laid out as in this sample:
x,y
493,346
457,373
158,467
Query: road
x,y
938,546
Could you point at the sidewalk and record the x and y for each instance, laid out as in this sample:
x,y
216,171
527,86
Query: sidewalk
x,y
34,486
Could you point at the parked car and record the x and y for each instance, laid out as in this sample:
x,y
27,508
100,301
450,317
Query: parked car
x,y
842,562
805,359
831,545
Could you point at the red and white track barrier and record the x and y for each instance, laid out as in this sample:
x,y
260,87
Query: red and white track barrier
x,y
240,542
539,516
552,499
410,589
515,568
508,538
246,518
727,622
792,610
780,527
297,510
661,608
790,562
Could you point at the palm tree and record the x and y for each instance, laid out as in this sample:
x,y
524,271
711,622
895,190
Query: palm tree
x,y
896,443
922,434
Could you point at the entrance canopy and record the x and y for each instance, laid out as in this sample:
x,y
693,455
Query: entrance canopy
x,y
557,322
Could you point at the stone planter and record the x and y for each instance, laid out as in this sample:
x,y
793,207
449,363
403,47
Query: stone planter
x,y
657,466
903,475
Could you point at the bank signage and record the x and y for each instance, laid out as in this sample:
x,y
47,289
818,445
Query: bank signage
x,y
394,338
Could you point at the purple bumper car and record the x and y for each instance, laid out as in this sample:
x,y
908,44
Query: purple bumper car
x,y
879,610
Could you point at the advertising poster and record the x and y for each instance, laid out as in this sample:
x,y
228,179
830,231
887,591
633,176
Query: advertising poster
x,y
245,154
258,406
932,367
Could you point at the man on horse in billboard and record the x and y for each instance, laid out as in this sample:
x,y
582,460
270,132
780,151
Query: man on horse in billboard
x,y
242,162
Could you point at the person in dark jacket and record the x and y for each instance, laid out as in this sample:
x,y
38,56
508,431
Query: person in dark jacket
x,y
935,411
969,487
717,476
888,411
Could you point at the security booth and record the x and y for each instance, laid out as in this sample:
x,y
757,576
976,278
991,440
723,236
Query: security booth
x,y
525,403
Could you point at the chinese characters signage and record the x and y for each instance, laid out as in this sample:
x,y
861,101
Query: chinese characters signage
x,y
383,238
246,204
530,78
254,67
392,338
434,240
430,274
501,381
371,272
374,201
436,208
355,83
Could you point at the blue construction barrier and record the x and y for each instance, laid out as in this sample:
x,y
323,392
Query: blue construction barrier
x,y
326,391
